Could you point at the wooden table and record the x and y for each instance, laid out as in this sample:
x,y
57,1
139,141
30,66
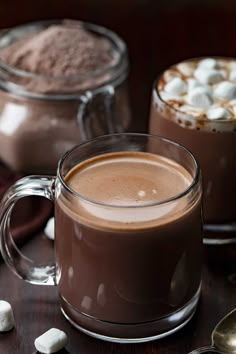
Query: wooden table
x,y
36,309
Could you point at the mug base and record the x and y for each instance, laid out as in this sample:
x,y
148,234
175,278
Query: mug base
x,y
219,234
131,333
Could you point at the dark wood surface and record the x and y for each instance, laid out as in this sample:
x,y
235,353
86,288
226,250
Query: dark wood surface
x,y
158,33
36,309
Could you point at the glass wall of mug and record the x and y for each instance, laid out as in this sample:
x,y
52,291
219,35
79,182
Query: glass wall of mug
x,y
128,269
41,117
213,143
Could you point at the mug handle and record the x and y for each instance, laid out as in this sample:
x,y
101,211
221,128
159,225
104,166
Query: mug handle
x,y
23,267
107,94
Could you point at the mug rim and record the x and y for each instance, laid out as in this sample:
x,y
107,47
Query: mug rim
x,y
193,184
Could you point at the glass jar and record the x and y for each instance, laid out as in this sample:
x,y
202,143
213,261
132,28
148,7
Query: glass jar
x,y
41,117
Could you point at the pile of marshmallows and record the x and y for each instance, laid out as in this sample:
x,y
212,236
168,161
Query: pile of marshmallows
x,y
203,88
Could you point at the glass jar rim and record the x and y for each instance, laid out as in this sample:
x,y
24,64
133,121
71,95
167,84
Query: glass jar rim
x,y
195,178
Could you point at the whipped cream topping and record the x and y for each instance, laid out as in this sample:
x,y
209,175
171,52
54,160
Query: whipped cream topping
x,y
202,88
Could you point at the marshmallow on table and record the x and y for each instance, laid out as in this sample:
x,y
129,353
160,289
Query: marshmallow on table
x,y
176,86
217,113
6,316
200,97
225,90
50,229
51,341
208,76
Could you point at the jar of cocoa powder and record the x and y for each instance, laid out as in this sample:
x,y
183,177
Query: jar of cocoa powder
x,y
61,82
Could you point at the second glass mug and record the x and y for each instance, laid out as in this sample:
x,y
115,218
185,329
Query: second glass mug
x,y
213,143
116,282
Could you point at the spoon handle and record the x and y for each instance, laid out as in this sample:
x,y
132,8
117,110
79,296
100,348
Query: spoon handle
x,y
207,350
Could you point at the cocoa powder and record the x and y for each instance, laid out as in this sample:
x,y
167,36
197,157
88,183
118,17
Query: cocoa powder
x,y
60,50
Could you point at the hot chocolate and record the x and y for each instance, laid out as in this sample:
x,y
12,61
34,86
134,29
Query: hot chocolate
x,y
123,254
128,236
61,82
194,104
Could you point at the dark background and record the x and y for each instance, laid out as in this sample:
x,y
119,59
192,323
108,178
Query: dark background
x,y
158,32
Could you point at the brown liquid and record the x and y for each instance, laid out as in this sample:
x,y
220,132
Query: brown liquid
x,y
128,265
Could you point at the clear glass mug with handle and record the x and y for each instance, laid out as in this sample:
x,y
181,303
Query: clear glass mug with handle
x,y
126,272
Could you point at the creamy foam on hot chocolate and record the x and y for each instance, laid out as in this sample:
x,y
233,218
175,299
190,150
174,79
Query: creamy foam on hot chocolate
x,y
128,178
133,179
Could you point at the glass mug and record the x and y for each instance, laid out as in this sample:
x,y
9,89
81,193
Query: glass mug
x,y
126,270
39,113
213,143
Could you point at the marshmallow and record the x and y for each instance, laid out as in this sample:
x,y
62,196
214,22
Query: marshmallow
x,y
50,229
210,76
186,68
170,75
217,113
176,86
208,63
233,65
224,74
168,97
232,75
200,97
51,341
6,316
192,83
232,103
225,90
